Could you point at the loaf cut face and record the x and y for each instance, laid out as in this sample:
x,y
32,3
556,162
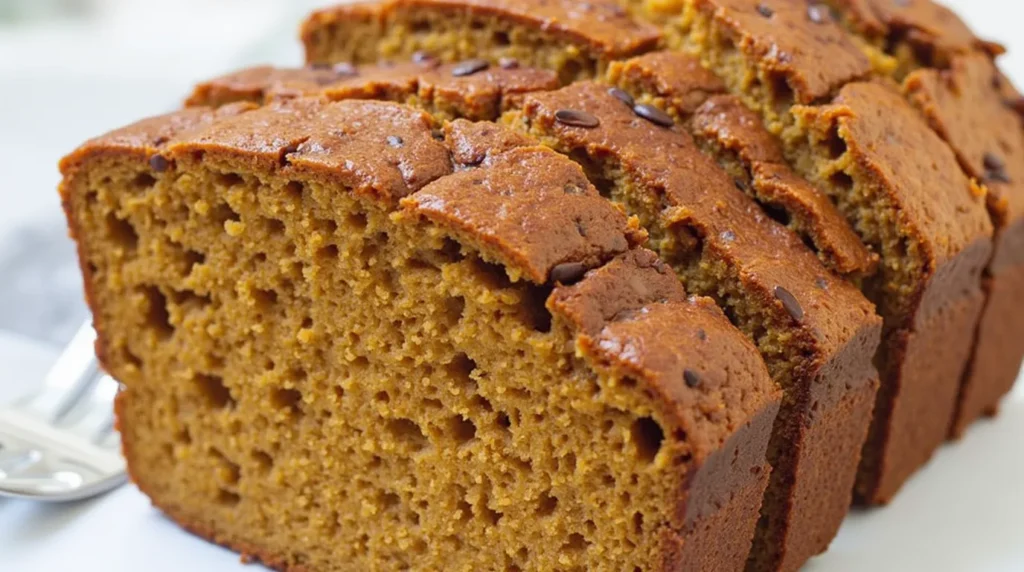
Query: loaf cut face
x,y
352,340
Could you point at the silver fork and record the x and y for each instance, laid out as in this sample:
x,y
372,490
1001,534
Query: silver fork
x,y
59,444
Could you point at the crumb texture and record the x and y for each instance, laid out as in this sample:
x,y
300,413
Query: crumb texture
x,y
328,376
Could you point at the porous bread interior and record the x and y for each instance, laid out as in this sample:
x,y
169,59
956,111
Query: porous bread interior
x,y
819,152
693,31
794,221
300,365
706,272
894,56
450,36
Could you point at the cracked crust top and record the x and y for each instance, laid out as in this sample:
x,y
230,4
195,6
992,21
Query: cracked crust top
x,y
814,55
698,193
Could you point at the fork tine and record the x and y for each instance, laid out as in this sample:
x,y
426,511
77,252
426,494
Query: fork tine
x,y
79,363
81,387
15,460
93,410
58,444
105,430
67,379
77,357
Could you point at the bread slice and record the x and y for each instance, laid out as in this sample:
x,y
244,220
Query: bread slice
x,y
948,74
575,39
816,332
965,106
349,341
924,217
926,220
474,90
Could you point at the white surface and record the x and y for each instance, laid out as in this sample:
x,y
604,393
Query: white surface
x,y
63,83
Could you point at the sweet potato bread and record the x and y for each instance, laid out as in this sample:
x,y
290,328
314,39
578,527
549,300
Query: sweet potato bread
x,y
350,341
817,333
560,285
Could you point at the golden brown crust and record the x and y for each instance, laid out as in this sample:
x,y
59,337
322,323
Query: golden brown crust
x,y
147,137
532,206
601,27
634,316
377,149
484,94
480,95
732,127
701,194
814,57
472,143
735,127
260,83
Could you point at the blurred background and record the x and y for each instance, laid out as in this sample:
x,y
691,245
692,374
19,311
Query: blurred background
x,y
72,69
